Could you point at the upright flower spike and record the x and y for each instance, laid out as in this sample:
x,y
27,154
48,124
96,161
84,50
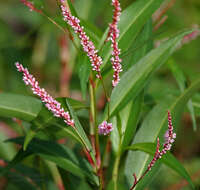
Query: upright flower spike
x,y
169,139
105,128
52,105
87,45
113,34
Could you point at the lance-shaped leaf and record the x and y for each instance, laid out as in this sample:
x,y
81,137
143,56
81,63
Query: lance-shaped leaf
x,y
155,124
81,133
134,80
19,106
182,83
54,152
45,118
130,116
28,108
167,159
139,48
131,22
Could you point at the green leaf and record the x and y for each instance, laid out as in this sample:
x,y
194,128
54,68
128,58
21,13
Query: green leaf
x,y
54,152
76,105
60,130
115,136
131,22
7,150
142,44
167,159
29,172
19,106
182,83
64,163
130,114
29,136
155,124
133,19
45,118
130,117
20,181
18,158
81,133
111,186
84,73
139,74
84,186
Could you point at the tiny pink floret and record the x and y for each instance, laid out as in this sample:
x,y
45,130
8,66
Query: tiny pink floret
x,y
30,6
169,139
88,46
113,34
105,128
51,104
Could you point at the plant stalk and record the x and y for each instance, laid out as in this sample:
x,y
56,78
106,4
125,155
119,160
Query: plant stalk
x,y
115,171
94,130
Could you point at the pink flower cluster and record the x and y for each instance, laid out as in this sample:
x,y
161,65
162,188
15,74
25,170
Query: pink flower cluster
x,y
52,105
192,36
105,128
87,45
169,139
30,6
186,39
113,34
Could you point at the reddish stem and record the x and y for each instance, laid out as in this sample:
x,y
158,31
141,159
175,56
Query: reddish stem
x,y
65,72
89,158
160,23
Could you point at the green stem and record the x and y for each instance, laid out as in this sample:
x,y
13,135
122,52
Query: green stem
x,y
94,129
92,108
42,171
107,97
93,119
115,171
55,174
117,161
106,154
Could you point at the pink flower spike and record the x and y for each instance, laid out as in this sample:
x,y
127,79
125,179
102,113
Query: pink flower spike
x,y
113,34
169,139
88,46
105,128
51,104
30,6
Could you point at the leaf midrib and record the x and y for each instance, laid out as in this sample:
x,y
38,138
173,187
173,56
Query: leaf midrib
x,y
18,111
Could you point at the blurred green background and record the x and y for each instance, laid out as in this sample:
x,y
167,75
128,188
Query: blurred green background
x,y
31,39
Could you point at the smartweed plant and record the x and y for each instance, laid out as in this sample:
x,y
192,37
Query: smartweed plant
x,y
123,142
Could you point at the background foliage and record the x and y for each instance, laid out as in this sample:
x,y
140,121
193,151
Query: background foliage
x,y
31,39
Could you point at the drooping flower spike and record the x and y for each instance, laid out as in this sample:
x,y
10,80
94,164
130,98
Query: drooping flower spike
x,y
88,46
105,128
169,139
52,105
113,34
